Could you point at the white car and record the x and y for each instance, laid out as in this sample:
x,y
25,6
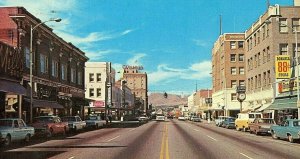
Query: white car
x,y
181,118
160,118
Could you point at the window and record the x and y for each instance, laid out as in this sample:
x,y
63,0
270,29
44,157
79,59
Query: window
x,y
241,83
54,68
91,77
241,57
268,54
258,59
263,32
259,81
264,79
296,24
242,70
269,77
294,50
249,86
249,65
233,84
283,49
232,57
79,78
233,70
254,36
63,72
241,44
251,83
264,56
283,25
233,96
267,32
91,92
73,75
98,92
255,86
98,77
27,56
258,37
232,45
250,43
43,63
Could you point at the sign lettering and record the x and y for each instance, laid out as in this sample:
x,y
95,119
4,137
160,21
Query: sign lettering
x,y
282,67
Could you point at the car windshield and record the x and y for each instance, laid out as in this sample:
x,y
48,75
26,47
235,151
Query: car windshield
x,y
230,119
296,123
65,119
93,118
6,123
44,119
266,121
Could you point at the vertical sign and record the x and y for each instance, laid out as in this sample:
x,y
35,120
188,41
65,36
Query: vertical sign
x,y
282,67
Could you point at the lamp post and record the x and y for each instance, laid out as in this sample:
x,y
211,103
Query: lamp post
x,y
32,28
297,62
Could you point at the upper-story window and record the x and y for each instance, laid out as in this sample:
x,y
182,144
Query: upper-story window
x,y
267,30
233,84
240,44
233,70
264,32
27,56
283,49
73,75
254,37
232,45
250,43
258,37
43,63
98,92
91,76
79,78
92,93
232,57
283,25
54,68
98,77
296,24
242,70
241,83
241,58
64,72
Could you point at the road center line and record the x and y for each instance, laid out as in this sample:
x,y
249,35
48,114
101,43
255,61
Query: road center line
x,y
196,130
71,157
246,155
131,129
211,137
113,138
164,150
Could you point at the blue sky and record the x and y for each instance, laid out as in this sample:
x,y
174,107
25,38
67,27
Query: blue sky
x,y
172,39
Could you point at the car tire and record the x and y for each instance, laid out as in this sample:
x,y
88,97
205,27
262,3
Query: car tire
x,y
273,134
237,128
244,129
256,132
49,133
7,140
291,139
227,126
27,138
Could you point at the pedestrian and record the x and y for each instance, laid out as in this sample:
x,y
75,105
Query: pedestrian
x,y
110,118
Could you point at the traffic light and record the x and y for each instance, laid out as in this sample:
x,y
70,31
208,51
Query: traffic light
x,y
165,95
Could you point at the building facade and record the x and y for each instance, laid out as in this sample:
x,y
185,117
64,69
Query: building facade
x,y
228,71
57,66
271,35
137,81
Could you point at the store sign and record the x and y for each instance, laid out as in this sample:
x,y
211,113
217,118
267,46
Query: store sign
x,y
282,67
287,86
98,104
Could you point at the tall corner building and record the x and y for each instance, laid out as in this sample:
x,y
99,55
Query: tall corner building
x,y
137,81
228,71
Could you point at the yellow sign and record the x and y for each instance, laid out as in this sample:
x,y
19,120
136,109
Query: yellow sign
x,y
282,67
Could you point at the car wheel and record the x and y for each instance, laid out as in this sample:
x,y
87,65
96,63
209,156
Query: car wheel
x,y
49,133
27,138
237,128
274,136
227,126
290,138
244,129
7,140
256,132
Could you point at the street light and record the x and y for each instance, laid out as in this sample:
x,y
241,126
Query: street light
x,y
294,29
32,28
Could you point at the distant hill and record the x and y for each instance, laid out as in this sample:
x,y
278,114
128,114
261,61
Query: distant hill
x,y
158,99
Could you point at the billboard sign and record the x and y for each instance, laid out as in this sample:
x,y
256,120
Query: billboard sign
x,y
282,67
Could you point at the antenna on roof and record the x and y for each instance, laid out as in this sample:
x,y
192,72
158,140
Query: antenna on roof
x,y
220,24
268,4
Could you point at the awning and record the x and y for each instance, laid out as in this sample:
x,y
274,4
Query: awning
x,y
284,103
13,87
45,104
263,107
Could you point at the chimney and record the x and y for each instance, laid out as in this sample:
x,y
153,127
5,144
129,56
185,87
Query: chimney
x,y
296,2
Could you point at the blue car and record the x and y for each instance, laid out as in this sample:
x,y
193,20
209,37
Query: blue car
x,y
289,129
13,129
229,122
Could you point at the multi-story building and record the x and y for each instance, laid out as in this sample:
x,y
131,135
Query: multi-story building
x,y
203,102
57,66
228,71
272,34
127,105
137,81
99,82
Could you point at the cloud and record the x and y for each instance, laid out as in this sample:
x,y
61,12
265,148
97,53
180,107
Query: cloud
x,y
98,55
164,74
201,43
126,32
136,59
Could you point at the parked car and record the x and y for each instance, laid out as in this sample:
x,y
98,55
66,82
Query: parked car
x,y
49,126
219,120
229,122
94,121
289,129
195,119
160,117
143,118
13,129
74,122
261,125
243,119
181,118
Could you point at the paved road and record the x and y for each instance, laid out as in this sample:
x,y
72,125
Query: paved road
x,y
172,139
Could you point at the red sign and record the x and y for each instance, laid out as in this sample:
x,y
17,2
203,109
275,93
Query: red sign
x,y
99,104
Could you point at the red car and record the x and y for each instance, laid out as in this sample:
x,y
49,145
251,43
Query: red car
x,y
49,126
